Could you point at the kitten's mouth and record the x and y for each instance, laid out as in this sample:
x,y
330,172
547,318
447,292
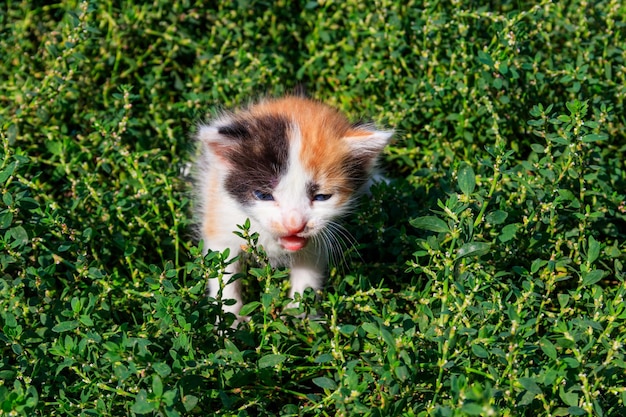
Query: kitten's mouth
x,y
293,243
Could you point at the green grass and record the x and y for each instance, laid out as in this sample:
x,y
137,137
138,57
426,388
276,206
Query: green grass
x,y
489,278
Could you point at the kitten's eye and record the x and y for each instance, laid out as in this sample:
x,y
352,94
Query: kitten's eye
x,y
321,197
260,195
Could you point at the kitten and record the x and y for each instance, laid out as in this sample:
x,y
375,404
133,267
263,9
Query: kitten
x,y
291,165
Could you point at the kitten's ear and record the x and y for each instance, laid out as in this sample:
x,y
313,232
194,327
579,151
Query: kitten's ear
x,y
207,133
209,136
366,141
218,139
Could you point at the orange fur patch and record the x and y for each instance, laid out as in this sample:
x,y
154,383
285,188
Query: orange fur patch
x,y
322,129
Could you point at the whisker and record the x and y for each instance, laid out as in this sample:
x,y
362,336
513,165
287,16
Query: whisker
x,y
339,242
329,246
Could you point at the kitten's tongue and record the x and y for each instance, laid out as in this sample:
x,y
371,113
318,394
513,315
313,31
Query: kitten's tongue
x,y
293,243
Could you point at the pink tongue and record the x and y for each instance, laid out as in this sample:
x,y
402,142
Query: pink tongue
x,y
293,243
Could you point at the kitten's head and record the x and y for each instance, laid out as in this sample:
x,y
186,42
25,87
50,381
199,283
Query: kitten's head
x,y
293,164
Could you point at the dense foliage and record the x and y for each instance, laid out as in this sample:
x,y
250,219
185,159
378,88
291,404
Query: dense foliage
x,y
486,278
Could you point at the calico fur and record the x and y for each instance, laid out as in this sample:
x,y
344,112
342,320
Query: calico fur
x,y
291,166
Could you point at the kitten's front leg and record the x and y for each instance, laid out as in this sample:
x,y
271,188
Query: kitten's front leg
x,y
307,271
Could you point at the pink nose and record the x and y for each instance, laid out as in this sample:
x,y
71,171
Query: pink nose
x,y
295,230
294,223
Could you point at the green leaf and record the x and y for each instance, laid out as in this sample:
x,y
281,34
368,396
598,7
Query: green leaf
x,y
592,277
271,360
593,250
432,223
548,348
473,249
325,383
32,397
10,320
233,351
6,219
190,402
479,351
162,369
55,147
508,232
86,320
574,106
558,140
65,326
20,236
595,137
324,358
65,364
569,398
249,308
537,264
142,405
95,273
526,399
530,385
485,58
347,329
571,362
168,398
157,386
388,338
536,123
76,304
496,217
371,329
538,148
566,194
7,199
576,411
466,179
402,373
7,172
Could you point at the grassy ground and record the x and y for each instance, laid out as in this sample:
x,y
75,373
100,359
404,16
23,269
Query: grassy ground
x,y
489,278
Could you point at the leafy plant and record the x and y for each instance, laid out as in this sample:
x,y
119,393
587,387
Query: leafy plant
x,y
485,277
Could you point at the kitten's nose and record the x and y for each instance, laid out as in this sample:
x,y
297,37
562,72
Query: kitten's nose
x,y
294,223
295,230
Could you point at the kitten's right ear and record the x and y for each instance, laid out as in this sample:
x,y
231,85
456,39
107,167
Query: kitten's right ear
x,y
209,135
224,129
217,139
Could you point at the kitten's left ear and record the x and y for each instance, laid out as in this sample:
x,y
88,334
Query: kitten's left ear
x,y
367,142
